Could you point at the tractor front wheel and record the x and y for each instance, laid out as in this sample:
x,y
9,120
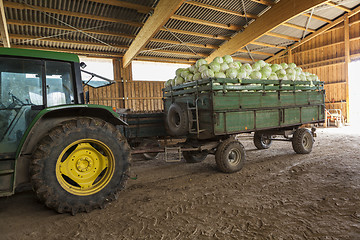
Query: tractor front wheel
x,y
80,165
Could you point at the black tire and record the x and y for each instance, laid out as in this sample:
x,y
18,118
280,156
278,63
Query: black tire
x,y
262,141
147,143
60,145
302,141
195,156
230,156
177,119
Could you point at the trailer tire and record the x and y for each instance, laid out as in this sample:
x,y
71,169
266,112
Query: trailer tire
x,y
302,141
195,156
262,141
80,165
177,119
230,156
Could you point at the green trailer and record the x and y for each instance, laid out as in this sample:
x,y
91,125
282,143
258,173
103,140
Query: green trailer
x,y
209,113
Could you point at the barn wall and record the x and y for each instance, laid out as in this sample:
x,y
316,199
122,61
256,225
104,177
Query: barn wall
x,y
126,93
325,55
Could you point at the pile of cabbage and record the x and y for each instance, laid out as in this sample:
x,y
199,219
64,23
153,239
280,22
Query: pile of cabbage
x,y
226,67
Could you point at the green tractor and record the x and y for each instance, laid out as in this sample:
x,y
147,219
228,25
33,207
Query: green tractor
x,y
72,153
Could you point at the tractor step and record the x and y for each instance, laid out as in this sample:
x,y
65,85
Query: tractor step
x,y
7,177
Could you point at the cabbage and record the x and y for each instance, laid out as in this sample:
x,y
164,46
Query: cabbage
x,y
255,75
189,77
203,67
215,66
291,76
242,74
228,59
256,66
192,69
197,76
220,75
173,82
292,65
284,65
184,73
290,71
265,72
238,63
200,62
207,73
246,67
298,71
179,80
275,67
218,60
168,83
231,73
179,70
273,76
233,65
262,63
307,73
282,77
302,77
281,71
224,67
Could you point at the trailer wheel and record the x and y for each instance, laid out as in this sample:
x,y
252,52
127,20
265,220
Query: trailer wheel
x,y
80,165
230,156
177,119
195,156
262,141
302,141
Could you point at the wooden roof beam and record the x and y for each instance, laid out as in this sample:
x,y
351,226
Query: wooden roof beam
x,y
264,2
3,26
256,52
317,33
339,6
278,14
123,4
22,6
207,6
267,45
298,27
282,36
163,11
317,17
162,59
207,23
196,34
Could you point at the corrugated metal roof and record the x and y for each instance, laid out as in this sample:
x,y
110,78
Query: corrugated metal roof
x,y
92,41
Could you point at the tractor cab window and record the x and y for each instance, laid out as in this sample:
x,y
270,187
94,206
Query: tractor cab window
x,y
59,83
20,88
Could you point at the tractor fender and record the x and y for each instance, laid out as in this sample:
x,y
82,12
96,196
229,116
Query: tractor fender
x,y
50,117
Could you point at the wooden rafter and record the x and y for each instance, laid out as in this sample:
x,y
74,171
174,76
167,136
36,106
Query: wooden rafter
x,y
129,36
298,27
163,11
22,6
339,6
278,14
3,26
318,32
207,6
264,2
244,59
282,36
317,17
137,7
267,45
256,52
196,34
167,60
208,23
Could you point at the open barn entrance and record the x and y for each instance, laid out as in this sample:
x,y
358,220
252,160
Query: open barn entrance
x,y
354,93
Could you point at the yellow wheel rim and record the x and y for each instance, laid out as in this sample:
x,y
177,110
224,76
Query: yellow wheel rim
x,y
85,167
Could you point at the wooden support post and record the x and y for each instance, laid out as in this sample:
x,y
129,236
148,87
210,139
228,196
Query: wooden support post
x,y
290,56
121,76
3,26
347,61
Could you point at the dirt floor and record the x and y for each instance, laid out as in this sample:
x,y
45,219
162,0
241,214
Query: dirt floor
x,y
277,195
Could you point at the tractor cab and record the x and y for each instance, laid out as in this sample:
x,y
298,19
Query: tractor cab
x,y
28,84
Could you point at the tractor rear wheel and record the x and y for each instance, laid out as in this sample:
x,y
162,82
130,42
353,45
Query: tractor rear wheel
x,y
80,165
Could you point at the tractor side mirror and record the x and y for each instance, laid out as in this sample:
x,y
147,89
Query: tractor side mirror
x,y
87,97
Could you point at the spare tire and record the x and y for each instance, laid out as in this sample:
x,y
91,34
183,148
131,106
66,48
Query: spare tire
x,y
177,119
